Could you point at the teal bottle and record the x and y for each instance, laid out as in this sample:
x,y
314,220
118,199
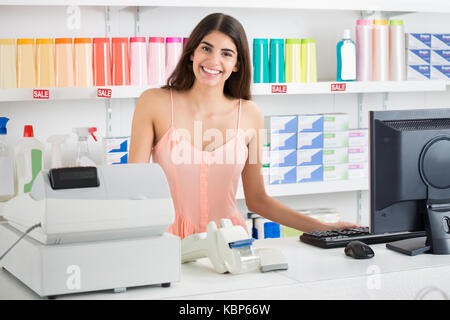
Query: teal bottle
x,y
346,58
260,61
276,62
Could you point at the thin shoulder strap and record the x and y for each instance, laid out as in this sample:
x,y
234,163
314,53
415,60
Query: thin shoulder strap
x,y
171,108
239,113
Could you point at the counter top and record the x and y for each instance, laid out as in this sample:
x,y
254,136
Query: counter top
x,y
313,273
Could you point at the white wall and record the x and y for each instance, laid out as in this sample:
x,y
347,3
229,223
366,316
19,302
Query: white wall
x,y
52,117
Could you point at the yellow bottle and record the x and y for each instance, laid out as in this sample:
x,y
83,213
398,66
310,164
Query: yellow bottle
x,y
292,60
26,71
8,77
45,63
308,61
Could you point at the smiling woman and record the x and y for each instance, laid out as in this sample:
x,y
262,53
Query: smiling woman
x,y
207,97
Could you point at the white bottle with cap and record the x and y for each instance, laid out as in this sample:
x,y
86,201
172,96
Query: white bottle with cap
x,y
6,165
346,58
29,160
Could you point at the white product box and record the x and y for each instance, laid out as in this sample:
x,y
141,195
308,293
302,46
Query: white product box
x,y
335,122
310,122
309,157
440,57
116,158
283,175
335,156
418,40
309,173
283,158
440,41
418,56
283,141
116,144
265,171
335,172
310,140
338,139
358,170
440,72
281,124
358,138
418,72
358,154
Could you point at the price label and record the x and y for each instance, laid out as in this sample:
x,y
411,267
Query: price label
x,y
338,87
41,94
279,88
104,93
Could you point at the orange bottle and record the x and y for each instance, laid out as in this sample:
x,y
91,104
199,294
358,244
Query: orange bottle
x,y
26,70
45,63
64,62
102,62
120,65
83,66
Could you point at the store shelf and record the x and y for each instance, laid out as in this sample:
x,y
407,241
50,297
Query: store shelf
x,y
257,90
348,87
293,189
369,5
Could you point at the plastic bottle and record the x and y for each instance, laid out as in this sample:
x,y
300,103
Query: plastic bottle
x,y
56,141
64,62
276,61
380,71
6,165
346,58
83,158
138,61
397,66
83,66
102,62
156,61
8,75
120,66
363,50
174,49
45,63
29,160
308,65
260,61
292,63
26,70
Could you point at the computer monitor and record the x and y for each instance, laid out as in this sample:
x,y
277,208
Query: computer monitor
x,y
410,177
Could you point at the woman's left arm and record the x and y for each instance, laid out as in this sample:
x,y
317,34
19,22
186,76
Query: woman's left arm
x,y
256,197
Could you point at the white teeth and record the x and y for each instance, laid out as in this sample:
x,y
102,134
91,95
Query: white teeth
x,y
211,71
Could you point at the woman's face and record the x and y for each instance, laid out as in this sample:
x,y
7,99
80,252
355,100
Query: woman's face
x,y
214,59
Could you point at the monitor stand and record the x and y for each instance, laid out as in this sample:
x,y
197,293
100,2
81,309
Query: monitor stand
x,y
437,241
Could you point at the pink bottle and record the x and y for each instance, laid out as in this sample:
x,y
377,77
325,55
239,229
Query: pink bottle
x,y
174,48
156,61
102,62
120,65
138,61
363,50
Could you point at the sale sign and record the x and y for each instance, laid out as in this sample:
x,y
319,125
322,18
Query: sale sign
x,y
41,94
279,88
338,87
104,93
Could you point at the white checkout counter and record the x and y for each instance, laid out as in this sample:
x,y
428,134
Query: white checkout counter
x,y
313,273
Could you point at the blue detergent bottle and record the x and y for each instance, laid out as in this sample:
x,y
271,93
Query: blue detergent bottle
x,y
346,58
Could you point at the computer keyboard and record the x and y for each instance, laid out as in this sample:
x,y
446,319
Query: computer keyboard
x,y
341,237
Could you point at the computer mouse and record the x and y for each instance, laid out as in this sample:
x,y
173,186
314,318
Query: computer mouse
x,y
359,250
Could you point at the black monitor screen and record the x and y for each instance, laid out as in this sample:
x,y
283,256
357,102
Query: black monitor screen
x,y
398,193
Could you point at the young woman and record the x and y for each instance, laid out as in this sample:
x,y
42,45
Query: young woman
x,y
207,97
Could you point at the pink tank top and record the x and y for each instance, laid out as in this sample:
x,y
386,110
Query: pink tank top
x,y
203,184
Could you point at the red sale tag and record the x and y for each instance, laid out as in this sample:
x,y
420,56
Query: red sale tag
x,y
282,88
104,93
338,87
41,94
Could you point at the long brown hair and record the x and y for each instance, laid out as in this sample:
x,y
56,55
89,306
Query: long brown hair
x,y
238,84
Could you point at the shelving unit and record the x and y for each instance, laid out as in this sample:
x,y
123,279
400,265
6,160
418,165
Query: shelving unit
x,y
365,8
261,89
292,189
